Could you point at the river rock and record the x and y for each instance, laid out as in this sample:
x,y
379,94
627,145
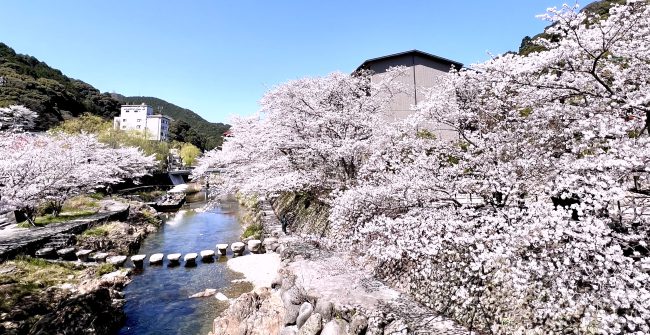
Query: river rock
x,y
116,260
93,312
358,325
336,327
305,312
325,309
292,296
138,260
207,255
100,257
268,243
255,246
223,248
45,253
83,254
291,315
174,258
221,297
156,258
312,326
237,248
66,253
289,330
397,327
254,313
207,293
190,259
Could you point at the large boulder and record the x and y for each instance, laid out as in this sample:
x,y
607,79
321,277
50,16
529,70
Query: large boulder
x,y
358,325
397,327
325,309
336,327
254,313
289,330
312,326
305,312
291,315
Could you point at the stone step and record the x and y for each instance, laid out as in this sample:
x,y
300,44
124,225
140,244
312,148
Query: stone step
x,y
47,252
116,260
222,248
156,258
237,248
174,258
190,259
207,255
138,260
100,257
83,254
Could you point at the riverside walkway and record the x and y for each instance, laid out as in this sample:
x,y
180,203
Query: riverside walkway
x,y
14,241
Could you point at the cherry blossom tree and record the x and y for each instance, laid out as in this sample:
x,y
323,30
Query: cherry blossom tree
x,y
39,167
311,135
533,222
550,143
16,118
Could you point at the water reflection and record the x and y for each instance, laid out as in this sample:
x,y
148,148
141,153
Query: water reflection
x,y
157,300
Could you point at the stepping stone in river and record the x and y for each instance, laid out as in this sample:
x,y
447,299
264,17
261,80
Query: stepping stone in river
x,y
207,255
268,243
255,246
237,248
138,260
190,259
222,247
66,253
83,254
156,259
174,259
45,253
116,260
100,257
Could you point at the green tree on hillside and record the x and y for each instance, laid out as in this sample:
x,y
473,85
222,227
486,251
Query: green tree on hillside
x,y
189,153
181,131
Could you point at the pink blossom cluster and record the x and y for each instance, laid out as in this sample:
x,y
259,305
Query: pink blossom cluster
x,y
43,167
535,221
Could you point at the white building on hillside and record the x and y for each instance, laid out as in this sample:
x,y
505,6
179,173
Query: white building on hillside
x,y
141,117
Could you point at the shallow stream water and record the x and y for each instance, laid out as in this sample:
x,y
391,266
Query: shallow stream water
x,y
157,300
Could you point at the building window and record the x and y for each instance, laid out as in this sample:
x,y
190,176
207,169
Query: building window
x,y
137,127
123,127
139,120
126,111
124,120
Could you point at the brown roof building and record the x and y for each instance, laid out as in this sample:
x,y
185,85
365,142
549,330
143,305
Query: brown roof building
x,y
423,69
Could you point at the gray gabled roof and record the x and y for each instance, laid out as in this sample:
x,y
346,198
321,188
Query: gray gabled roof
x,y
414,52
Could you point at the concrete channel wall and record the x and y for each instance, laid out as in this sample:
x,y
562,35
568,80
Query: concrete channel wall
x,y
27,241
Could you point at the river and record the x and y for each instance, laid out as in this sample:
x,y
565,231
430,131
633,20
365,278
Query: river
x,y
157,300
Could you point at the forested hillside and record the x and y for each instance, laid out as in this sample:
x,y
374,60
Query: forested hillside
x,y
209,134
600,8
24,80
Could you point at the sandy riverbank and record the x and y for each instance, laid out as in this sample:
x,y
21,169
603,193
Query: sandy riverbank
x,y
259,269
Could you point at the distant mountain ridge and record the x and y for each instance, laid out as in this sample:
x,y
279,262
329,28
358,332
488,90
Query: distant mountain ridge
x,y
24,80
212,133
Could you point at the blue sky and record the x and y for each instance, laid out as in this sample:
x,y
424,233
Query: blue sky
x,y
219,57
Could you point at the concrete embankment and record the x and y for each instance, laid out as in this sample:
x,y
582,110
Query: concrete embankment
x,y
14,242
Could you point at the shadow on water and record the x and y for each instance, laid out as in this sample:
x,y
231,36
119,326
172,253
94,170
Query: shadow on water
x,y
157,300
